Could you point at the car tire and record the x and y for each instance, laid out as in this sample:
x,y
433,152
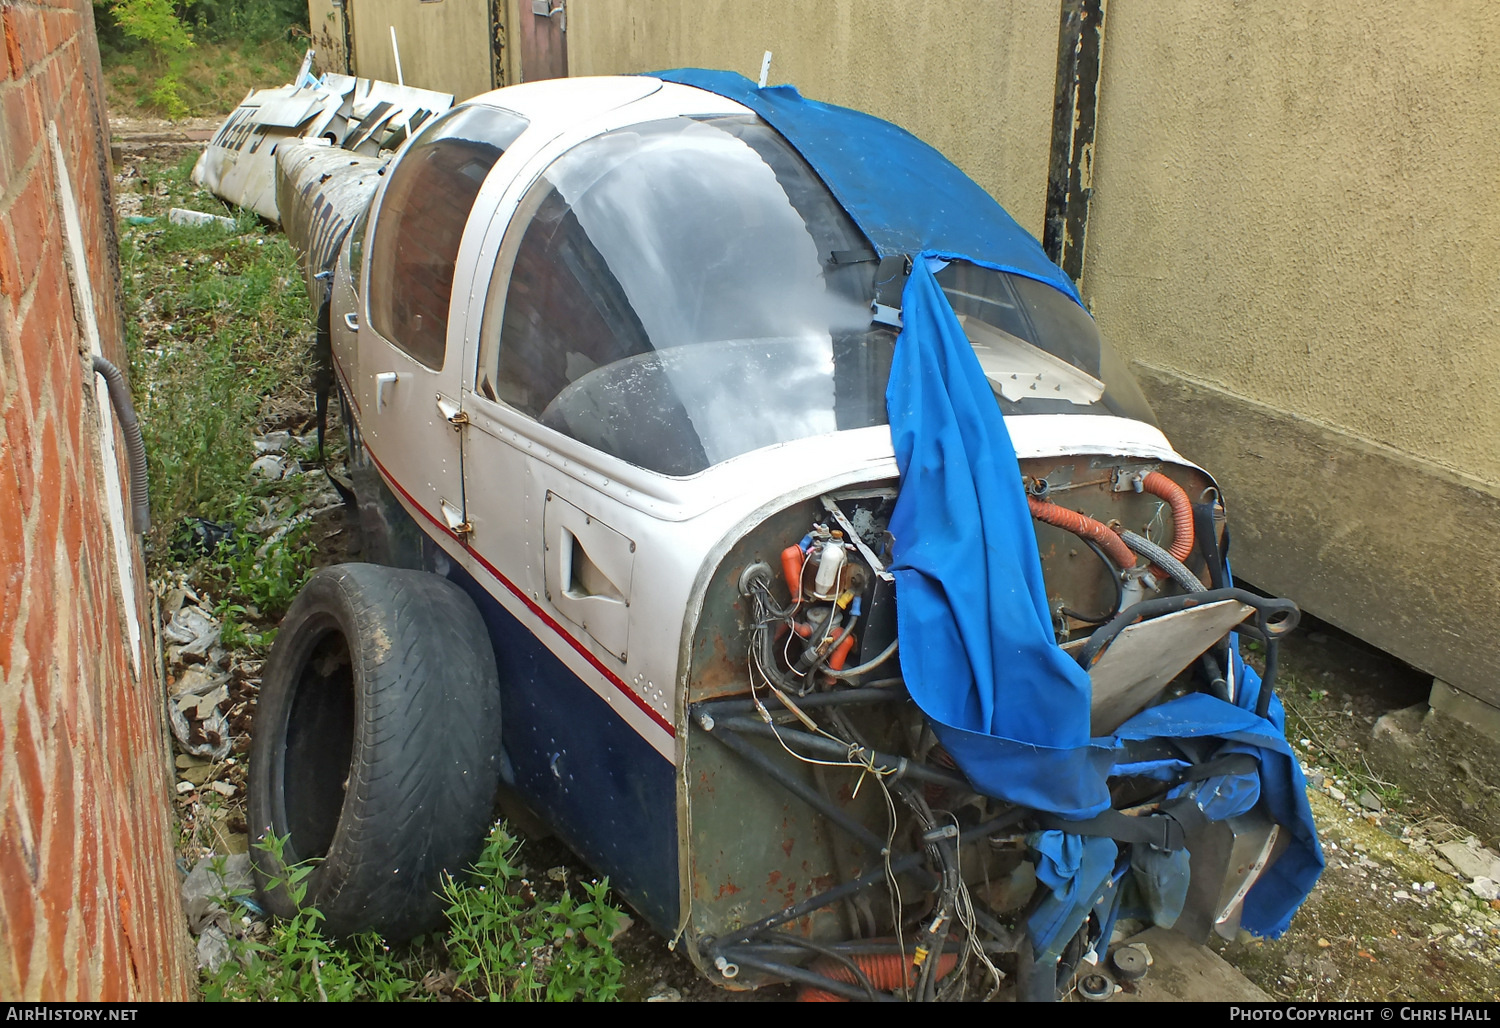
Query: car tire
x,y
377,748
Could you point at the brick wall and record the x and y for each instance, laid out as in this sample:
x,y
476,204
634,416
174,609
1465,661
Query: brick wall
x,y
88,890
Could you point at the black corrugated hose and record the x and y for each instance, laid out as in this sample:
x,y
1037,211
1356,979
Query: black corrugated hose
x,y
135,447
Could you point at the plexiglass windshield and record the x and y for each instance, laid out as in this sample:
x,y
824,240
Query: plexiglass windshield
x,y
670,298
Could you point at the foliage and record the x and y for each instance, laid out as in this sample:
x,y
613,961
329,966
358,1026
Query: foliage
x,y
177,59
506,944
166,96
216,324
503,942
257,21
124,23
296,961
259,580
153,23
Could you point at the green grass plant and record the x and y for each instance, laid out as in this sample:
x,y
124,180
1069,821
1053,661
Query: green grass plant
x,y
504,940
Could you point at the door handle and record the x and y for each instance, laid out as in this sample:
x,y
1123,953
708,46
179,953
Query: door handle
x,y
385,378
351,321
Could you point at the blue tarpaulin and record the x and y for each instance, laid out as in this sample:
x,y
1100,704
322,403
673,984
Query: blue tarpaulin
x,y
904,196
977,646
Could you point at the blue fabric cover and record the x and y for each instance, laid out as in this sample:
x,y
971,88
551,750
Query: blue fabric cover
x,y
1078,870
977,646
904,195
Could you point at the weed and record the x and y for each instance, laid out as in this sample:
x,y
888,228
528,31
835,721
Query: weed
x,y
506,945
296,961
503,942
263,576
216,325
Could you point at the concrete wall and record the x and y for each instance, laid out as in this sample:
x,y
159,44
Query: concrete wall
x,y
1294,232
445,45
89,903
1293,236
972,77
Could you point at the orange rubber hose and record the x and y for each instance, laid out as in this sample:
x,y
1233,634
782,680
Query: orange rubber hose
x,y
791,569
1086,527
841,651
885,971
1160,485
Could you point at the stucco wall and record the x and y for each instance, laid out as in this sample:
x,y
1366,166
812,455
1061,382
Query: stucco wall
x,y
445,45
1297,203
972,77
326,21
1294,234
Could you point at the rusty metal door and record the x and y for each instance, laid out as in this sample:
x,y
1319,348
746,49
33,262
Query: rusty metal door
x,y
544,40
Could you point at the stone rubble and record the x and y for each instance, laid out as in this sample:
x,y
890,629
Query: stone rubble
x,y
1469,897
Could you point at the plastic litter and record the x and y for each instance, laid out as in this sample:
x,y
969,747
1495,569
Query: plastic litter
x,y
205,889
181,216
199,537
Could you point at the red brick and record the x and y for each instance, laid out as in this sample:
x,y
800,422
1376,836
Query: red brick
x,y
28,785
47,498
11,284
58,868
28,225
112,974
134,956
73,414
60,27
13,58
23,127
54,972
25,27
72,521
40,612
66,372
18,898
34,349
12,553
64,709
56,77
18,434
88,878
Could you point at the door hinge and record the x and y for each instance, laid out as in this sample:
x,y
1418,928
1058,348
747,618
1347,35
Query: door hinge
x,y
457,523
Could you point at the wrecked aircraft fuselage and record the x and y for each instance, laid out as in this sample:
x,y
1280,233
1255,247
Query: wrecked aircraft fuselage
x,y
615,357
362,117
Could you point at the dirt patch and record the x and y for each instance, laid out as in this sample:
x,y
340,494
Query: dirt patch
x,y
1390,919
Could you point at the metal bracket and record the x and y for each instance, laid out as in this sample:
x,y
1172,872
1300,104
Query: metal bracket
x,y
859,544
1132,479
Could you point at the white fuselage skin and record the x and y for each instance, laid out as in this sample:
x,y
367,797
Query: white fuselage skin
x,y
488,493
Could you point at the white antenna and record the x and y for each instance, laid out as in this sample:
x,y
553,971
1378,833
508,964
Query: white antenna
x,y
397,51
765,68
